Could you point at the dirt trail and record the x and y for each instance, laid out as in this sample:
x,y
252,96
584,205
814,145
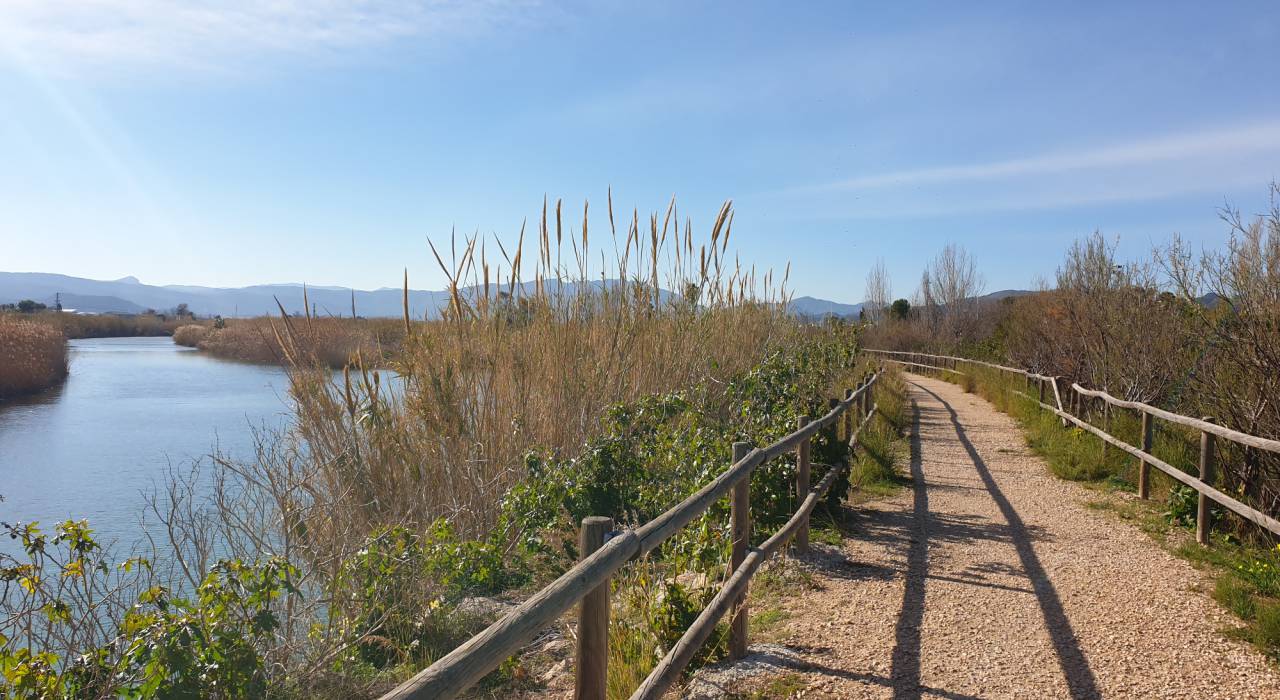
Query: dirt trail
x,y
989,578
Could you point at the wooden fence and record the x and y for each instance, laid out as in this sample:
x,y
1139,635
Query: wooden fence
x,y
604,552
1048,393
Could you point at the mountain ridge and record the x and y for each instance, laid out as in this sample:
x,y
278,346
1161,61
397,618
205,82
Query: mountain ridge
x,y
130,295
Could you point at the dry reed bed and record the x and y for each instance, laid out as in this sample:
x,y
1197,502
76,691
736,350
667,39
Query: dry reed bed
x,y
105,325
33,357
507,371
329,342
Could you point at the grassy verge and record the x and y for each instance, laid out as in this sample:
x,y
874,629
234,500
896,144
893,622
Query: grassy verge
x,y
1244,563
33,357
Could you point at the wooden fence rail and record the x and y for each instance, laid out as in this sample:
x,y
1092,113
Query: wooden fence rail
x,y
1073,414
588,581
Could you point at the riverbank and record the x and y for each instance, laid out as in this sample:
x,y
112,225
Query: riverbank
x,y
74,326
33,357
329,342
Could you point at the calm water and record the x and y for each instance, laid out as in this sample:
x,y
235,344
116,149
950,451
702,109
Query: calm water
x,y
131,408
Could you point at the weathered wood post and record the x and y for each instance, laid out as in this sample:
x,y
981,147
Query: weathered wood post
x,y
1040,381
837,424
591,669
1144,469
802,486
1057,399
740,514
1106,428
1204,524
847,418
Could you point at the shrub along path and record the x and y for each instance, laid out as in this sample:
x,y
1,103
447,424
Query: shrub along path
x,y
989,578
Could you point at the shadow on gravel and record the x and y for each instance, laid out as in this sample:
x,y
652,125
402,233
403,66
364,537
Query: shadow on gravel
x,y
791,657
905,669
906,653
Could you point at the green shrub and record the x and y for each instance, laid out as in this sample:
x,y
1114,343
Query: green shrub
x,y
166,646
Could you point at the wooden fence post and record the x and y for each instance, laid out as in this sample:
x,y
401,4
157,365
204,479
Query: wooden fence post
x,y
1041,383
1204,524
837,424
1144,469
1106,428
1057,400
591,669
740,514
847,418
802,485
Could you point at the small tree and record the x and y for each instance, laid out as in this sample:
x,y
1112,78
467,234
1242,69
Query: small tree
x,y
900,310
29,306
878,291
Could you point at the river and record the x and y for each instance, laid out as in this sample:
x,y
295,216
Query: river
x,y
130,409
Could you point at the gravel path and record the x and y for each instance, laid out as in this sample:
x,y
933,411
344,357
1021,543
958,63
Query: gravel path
x,y
990,579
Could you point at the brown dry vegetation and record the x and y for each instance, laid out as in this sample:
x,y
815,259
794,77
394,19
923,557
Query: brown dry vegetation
x,y
327,341
33,356
105,325
190,335
505,372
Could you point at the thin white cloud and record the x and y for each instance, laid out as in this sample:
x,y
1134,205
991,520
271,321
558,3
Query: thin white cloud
x,y
1213,145
209,33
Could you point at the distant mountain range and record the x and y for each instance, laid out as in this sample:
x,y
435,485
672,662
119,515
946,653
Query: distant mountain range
x,y
129,296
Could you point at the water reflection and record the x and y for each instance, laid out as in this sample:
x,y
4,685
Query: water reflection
x,y
131,409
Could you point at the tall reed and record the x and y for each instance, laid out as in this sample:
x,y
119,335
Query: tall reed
x,y
515,365
33,356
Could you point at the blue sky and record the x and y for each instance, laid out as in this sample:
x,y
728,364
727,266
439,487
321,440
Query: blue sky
x,y
235,142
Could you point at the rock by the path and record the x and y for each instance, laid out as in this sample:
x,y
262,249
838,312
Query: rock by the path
x,y
717,682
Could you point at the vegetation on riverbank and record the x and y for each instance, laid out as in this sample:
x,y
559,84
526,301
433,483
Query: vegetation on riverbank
x,y
74,326
352,548
331,342
33,357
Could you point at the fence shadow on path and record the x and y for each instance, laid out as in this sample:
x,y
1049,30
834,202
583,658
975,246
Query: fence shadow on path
x,y
906,654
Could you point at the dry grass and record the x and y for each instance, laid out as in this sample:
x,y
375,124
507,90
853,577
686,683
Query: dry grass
x,y
105,325
33,356
191,334
505,372
328,342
